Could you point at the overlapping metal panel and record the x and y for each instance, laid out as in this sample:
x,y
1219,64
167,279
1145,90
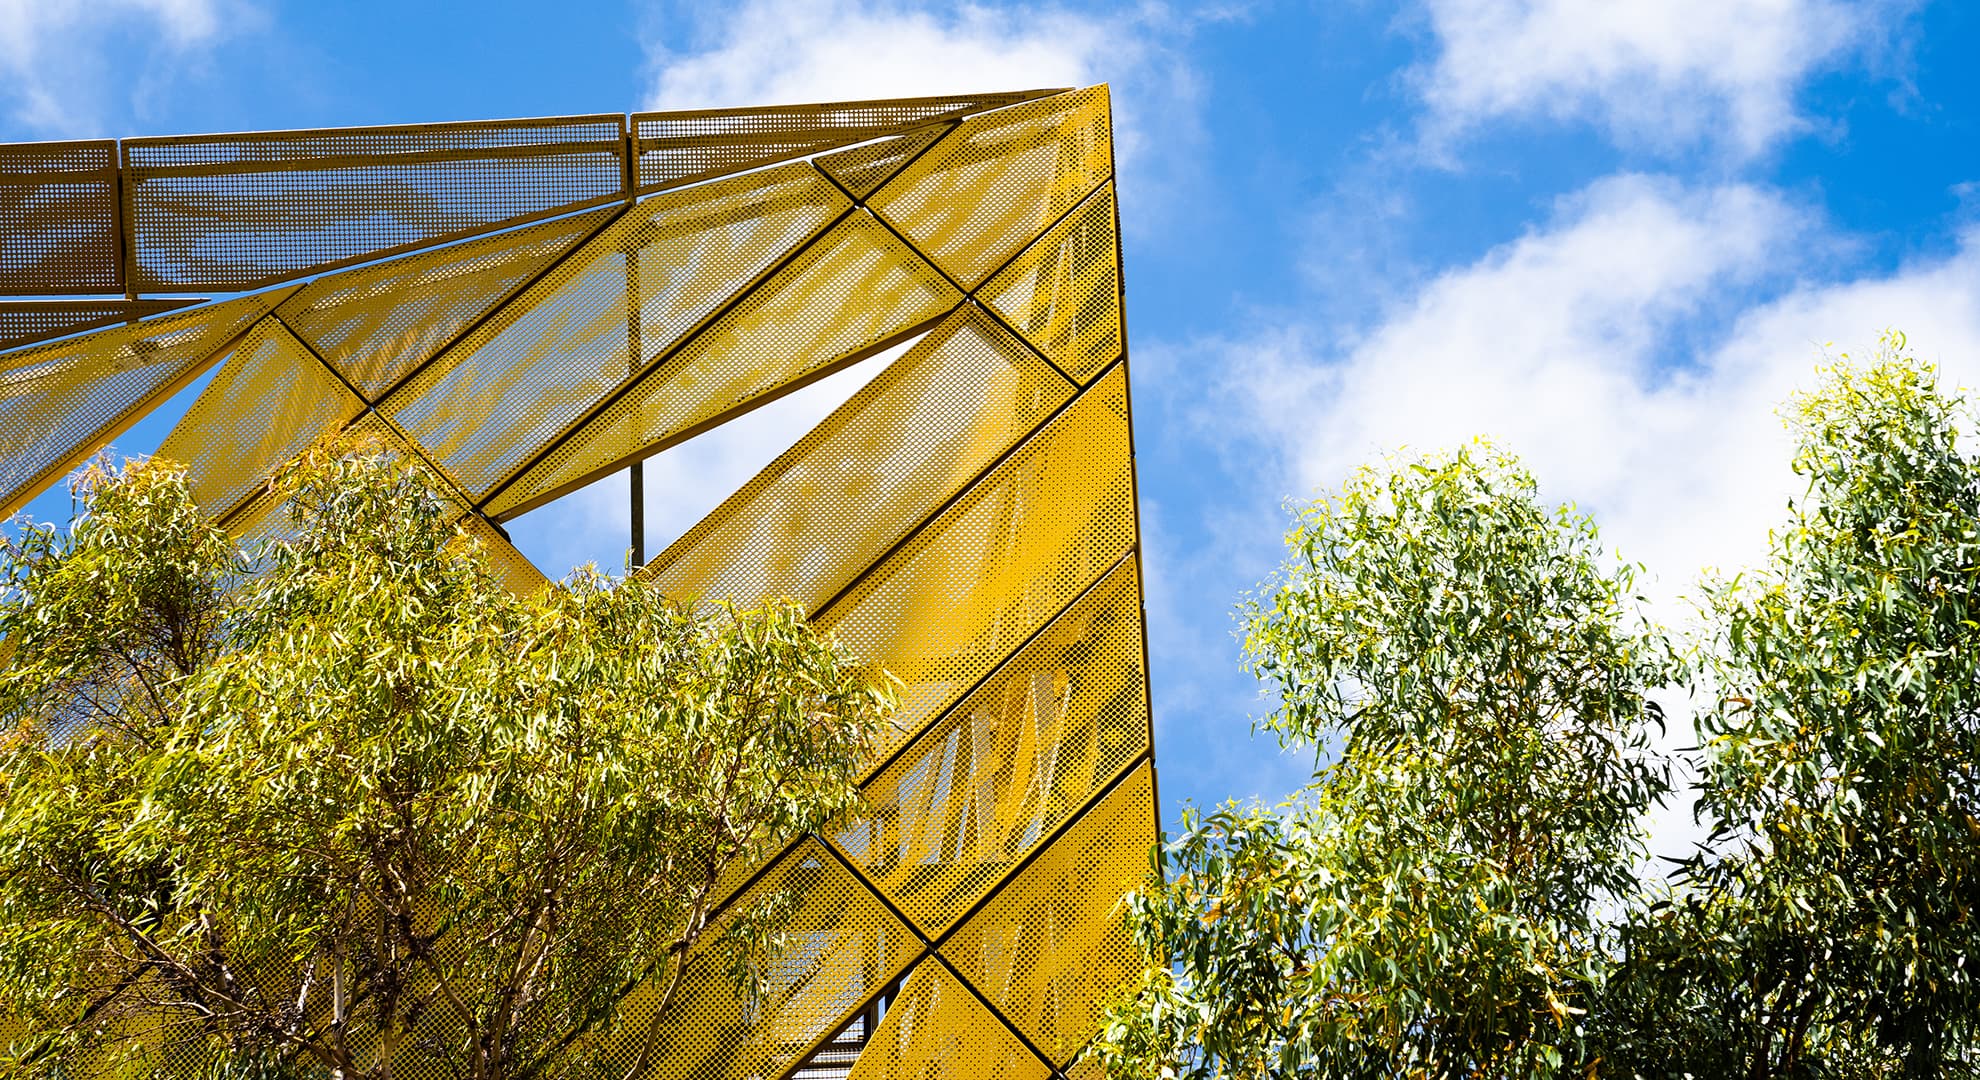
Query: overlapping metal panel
x,y
966,521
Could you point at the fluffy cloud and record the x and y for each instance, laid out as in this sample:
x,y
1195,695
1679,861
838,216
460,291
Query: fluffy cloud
x,y
1657,73
54,78
1633,349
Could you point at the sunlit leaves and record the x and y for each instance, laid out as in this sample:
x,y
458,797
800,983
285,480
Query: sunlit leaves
x,y
350,804
1429,906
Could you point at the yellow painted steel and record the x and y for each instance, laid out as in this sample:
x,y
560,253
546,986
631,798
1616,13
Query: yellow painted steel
x,y
845,949
376,324
970,587
937,1030
965,521
1000,179
981,788
269,401
1052,941
864,168
1063,293
865,477
519,380
60,402
857,289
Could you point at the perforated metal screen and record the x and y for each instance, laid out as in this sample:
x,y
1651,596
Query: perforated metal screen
x,y
965,521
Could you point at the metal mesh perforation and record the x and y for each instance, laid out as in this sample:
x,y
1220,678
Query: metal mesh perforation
x,y
976,792
377,323
999,179
510,387
268,402
843,947
855,290
58,218
28,321
849,490
937,1030
60,401
863,168
1063,293
1054,941
239,211
959,596
680,147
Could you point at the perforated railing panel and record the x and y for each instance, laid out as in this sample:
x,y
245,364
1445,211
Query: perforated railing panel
x,y
1063,293
843,949
885,460
58,218
239,211
976,792
863,168
59,402
1053,942
858,288
999,179
964,592
268,401
937,1030
510,387
682,146
28,321
377,323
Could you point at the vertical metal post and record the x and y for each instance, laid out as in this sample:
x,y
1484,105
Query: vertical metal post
x,y
637,473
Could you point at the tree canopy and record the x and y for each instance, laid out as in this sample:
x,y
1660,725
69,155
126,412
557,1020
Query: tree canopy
x,y
345,806
1463,888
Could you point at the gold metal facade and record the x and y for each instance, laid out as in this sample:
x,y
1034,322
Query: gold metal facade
x,y
529,306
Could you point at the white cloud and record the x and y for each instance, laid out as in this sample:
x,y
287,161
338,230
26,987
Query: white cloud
x,y
56,79
1633,350
1664,74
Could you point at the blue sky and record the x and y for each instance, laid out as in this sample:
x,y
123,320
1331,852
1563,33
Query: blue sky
x,y
1612,235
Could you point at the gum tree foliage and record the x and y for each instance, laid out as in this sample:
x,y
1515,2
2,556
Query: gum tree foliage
x,y
1831,925
355,810
1432,905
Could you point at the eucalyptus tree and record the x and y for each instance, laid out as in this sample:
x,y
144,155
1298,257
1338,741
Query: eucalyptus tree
x,y
1831,925
349,808
1468,664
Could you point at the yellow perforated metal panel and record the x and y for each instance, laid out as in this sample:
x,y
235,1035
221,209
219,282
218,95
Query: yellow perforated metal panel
x,y
854,291
844,949
23,322
1054,941
568,341
377,323
882,462
683,146
269,401
60,402
1063,293
864,168
965,521
240,211
977,791
936,1029
59,218
999,180
952,602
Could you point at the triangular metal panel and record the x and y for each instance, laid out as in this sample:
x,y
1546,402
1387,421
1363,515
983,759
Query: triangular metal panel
x,y
684,146
999,180
62,401
935,1029
862,169
1063,293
